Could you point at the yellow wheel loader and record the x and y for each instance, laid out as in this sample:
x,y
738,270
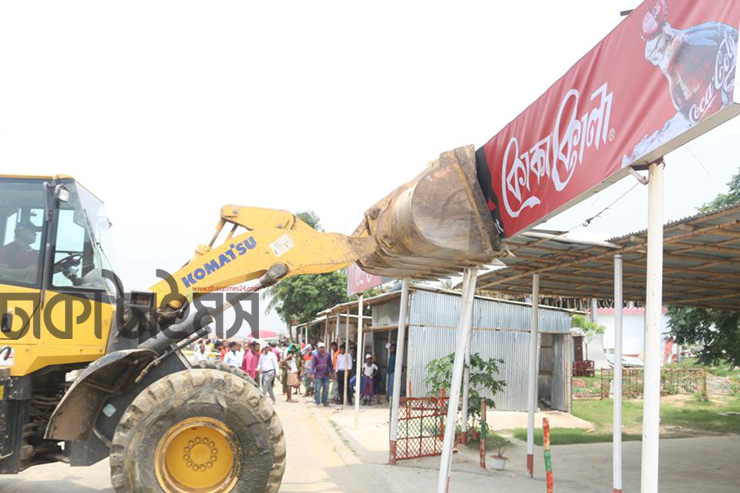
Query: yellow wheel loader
x,y
88,371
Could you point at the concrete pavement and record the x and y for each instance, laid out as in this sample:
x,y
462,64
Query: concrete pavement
x,y
324,455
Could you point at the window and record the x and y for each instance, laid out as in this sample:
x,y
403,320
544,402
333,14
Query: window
x,y
21,221
82,231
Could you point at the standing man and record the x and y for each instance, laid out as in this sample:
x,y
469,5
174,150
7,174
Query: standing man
x,y
344,364
201,354
241,348
251,359
322,369
334,384
232,358
391,371
268,368
307,375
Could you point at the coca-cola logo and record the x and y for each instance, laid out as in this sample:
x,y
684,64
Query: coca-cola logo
x,y
554,159
722,82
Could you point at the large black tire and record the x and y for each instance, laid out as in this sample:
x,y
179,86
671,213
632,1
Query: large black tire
x,y
144,452
221,366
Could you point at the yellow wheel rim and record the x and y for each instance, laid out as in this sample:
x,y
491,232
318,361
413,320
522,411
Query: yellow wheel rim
x,y
198,455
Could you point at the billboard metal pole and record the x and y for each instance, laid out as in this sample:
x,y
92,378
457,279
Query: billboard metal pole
x,y
653,313
466,312
400,348
466,385
346,356
617,431
358,372
532,395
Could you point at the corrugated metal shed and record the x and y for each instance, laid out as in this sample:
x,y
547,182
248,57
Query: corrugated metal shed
x,y
441,309
500,330
701,263
429,343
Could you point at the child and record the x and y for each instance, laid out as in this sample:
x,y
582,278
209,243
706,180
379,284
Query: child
x,y
369,369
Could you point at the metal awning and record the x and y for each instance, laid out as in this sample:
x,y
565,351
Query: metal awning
x,y
701,263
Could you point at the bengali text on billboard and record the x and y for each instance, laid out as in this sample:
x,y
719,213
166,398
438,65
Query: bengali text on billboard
x,y
663,76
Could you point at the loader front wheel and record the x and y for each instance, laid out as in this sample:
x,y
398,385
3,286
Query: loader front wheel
x,y
203,431
221,366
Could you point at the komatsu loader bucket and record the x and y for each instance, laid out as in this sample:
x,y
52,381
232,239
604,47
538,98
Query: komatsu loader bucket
x,y
433,226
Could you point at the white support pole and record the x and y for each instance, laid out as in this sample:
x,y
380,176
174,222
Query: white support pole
x,y
466,381
466,313
532,387
400,349
336,335
653,313
346,357
358,363
617,431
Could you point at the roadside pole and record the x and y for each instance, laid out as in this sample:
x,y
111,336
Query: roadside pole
x,y
532,394
617,431
466,312
400,348
466,386
358,363
346,355
653,312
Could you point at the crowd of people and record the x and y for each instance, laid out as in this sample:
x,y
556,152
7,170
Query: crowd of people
x,y
308,368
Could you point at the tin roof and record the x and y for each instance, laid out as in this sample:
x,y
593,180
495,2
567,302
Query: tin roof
x,y
701,265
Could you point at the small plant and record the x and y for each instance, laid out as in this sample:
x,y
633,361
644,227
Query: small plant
x,y
735,389
700,398
498,443
481,378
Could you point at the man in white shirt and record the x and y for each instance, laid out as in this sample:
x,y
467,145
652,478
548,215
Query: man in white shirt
x,y
240,351
232,357
201,353
268,368
344,364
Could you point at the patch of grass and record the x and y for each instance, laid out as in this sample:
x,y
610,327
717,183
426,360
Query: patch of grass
x,y
692,416
568,436
703,417
600,414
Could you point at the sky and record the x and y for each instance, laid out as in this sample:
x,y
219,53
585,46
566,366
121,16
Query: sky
x,y
168,110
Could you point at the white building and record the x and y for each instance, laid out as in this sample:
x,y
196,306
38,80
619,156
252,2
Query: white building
x,y
633,336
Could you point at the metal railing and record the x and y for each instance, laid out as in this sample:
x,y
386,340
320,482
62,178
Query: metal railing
x,y
672,381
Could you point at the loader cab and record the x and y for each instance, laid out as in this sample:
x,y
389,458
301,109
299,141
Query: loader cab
x,y
53,234
55,246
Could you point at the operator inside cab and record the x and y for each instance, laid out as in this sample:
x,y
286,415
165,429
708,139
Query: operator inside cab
x,y
18,259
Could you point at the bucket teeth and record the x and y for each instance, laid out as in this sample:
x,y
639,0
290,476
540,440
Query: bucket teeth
x,y
433,226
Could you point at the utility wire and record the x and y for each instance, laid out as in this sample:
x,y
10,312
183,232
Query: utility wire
x,y
587,222
698,161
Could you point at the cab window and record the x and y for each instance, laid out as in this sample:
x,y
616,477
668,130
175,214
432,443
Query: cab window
x,y
78,258
21,221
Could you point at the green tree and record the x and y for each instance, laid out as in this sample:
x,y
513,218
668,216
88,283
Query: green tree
x,y
300,298
439,376
731,197
717,332
589,329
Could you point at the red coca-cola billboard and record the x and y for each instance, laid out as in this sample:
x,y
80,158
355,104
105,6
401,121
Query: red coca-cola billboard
x,y
662,77
359,281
